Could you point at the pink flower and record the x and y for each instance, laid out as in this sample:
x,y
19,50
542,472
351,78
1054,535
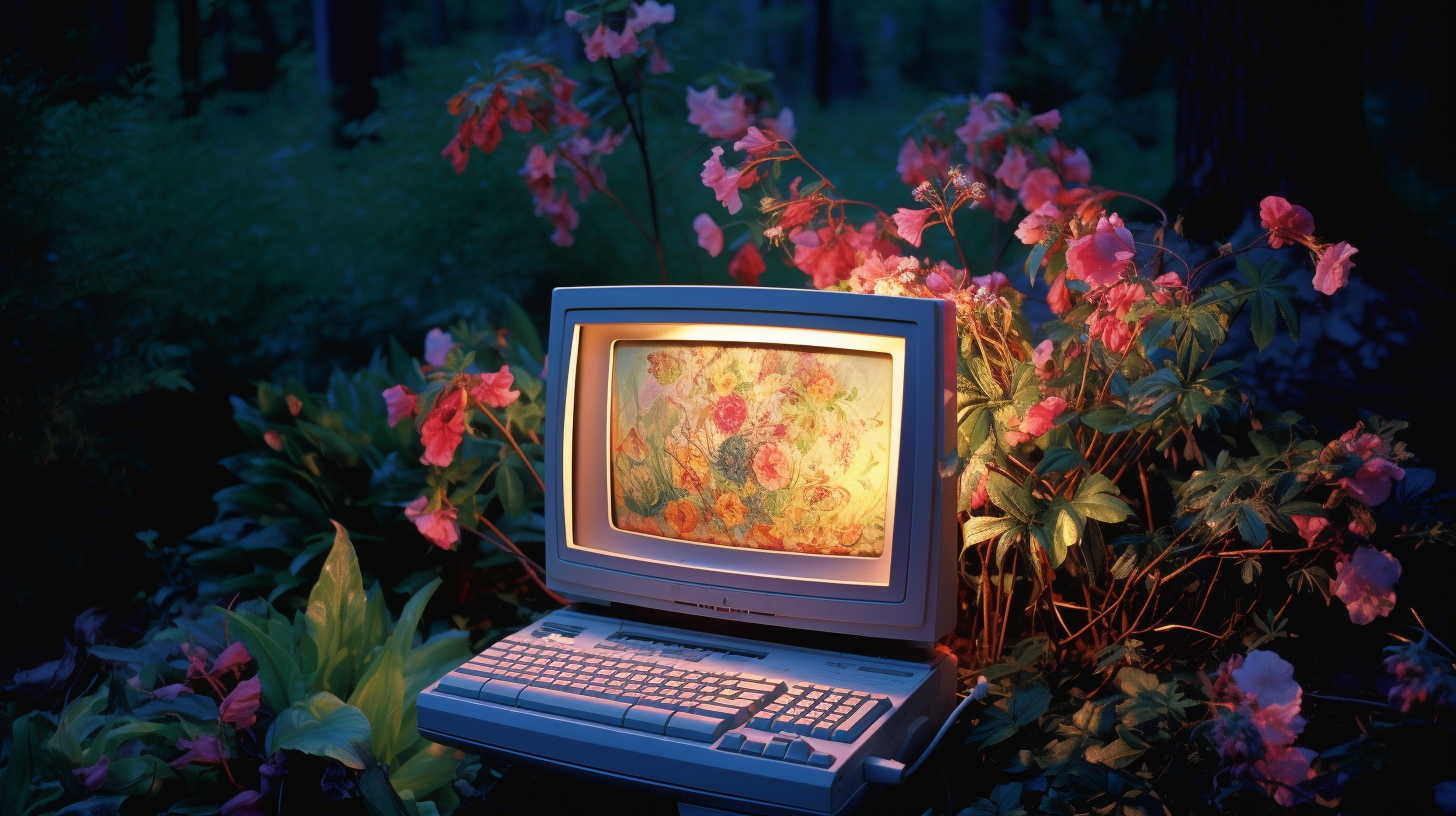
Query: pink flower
x,y
1366,584
94,777
539,172
604,42
1041,357
911,223
729,413
437,346
981,493
1059,298
1074,165
494,389
717,118
755,143
771,467
919,163
982,123
247,803
872,267
1333,269
1268,678
747,265
1049,121
993,283
400,402
1364,445
1033,228
294,404
1102,257
1287,766
171,692
1039,187
649,13
1120,299
235,656
444,429
782,125
205,750
240,706
723,182
1039,419
1288,222
273,439
439,526
657,63
1013,168
562,216
1165,285
1371,484
1115,334
458,153
1003,207
1310,526
710,236
573,17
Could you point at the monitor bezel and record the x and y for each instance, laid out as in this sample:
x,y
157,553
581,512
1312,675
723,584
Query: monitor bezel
x,y
913,603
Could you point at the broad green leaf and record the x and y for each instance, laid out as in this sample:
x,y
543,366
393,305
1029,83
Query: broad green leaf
x,y
26,749
380,697
323,725
1252,528
1028,704
1060,460
984,528
1097,498
333,446
508,487
1065,535
1132,681
336,609
1117,754
123,729
278,672
425,772
133,776
77,722
1011,497
984,379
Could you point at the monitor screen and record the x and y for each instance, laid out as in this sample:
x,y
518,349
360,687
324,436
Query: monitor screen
x,y
777,448
714,455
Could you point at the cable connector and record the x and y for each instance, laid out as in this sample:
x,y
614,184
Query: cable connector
x,y
881,771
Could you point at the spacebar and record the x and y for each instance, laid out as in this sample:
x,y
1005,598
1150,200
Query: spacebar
x,y
576,706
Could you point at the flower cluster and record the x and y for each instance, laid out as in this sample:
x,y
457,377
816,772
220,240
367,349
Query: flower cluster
x,y
1421,674
1291,224
1257,705
603,39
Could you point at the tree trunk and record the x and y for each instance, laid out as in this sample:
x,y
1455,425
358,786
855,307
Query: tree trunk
x,y
189,55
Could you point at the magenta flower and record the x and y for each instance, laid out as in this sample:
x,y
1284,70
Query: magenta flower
x,y
723,182
657,63
205,750
1310,526
993,283
1288,766
1041,357
1049,121
1074,165
235,656
717,118
1333,270
1371,484
443,430
1287,222
755,143
437,346
604,42
982,123
240,706
910,224
94,777
247,803
439,526
400,402
649,13
747,265
710,235
1366,583
1101,258
494,389
1039,187
918,163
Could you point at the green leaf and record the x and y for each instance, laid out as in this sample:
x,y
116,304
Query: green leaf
x,y
1117,754
333,446
26,752
1028,704
278,672
336,609
1065,535
1060,460
508,487
1011,497
380,697
1261,320
133,776
984,528
427,771
984,379
1252,528
1097,498
1033,261
974,430
323,725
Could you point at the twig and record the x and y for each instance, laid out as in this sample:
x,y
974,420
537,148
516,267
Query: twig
x,y
519,452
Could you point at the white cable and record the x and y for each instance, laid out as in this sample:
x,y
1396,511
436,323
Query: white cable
x,y
977,693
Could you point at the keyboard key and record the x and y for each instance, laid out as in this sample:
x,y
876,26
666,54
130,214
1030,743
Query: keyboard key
x,y
803,726
820,760
460,685
767,688
732,715
775,748
500,691
822,730
696,727
855,724
754,747
763,720
732,742
798,752
575,706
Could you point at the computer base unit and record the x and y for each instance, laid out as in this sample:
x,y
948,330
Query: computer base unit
x,y
717,722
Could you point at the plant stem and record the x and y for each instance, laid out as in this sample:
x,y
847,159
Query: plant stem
x,y
512,440
638,125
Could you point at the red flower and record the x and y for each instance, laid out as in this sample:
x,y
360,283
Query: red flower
x,y
493,389
235,656
1033,228
823,256
457,153
1013,168
729,413
919,163
440,526
1039,419
1059,298
1288,223
294,404
1102,257
273,439
400,402
240,707
1049,121
747,265
444,429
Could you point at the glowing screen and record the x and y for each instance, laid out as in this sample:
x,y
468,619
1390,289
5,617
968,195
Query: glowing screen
x,y
770,448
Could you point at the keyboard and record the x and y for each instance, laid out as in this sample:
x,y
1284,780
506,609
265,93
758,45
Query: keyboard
x,y
725,722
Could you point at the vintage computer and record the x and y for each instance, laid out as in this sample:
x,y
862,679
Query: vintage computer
x,y
748,506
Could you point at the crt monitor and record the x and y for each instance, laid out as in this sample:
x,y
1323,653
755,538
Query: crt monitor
x,y
762,455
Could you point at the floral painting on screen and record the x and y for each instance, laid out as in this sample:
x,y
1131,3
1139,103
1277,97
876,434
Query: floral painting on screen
x,y
770,448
